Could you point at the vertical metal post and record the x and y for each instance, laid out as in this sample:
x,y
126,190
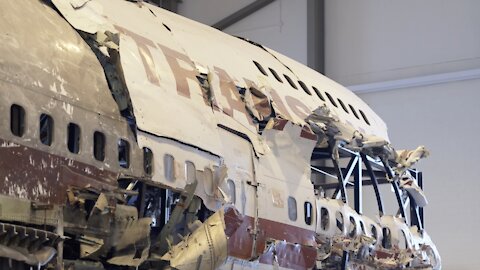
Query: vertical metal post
x,y
357,176
371,174
345,260
420,209
316,35
349,168
415,219
340,180
396,188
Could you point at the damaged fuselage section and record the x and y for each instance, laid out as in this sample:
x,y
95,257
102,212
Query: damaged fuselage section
x,y
134,138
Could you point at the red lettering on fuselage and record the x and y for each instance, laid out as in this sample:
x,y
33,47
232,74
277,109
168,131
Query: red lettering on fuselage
x,y
143,49
184,71
181,73
230,92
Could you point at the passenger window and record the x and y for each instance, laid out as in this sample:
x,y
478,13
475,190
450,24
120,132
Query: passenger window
x,y
292,209
343,105
324,219
260,68
292,84
403,240
17,120
318,93
190,172
209,185
364,117
305,88
331,99
73,138
362,227
339,221
147,161
308,210
99,146
352,228
124,153
387,238
354,111
275,74
46,129
169,167
231,190
374,232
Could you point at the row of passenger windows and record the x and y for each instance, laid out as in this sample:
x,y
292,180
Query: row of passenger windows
x,y
307,211
46,136
317,92
352,228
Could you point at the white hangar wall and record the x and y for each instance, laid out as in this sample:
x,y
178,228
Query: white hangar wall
x,y
281,25
443,117
421,62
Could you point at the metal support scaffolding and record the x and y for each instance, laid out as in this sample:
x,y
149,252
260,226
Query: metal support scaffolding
x,y
396,188
358,192
374,173
335,170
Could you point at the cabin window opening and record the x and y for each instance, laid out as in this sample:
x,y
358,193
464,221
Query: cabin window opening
x,y
387,238
73,138
147,161
352,228
324,219
275,74
99,145
364,117
403,240
308,210
305,87
190,172
124,153
374,232
260,68
339,221
292,208
209,185
343,105
166,26
231,190
354,111
169,167
320,96
46,129
331,99
292,84
17,120
362,227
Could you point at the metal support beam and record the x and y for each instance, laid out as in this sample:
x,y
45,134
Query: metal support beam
x,y
396,188
341,181
415,219
349,169
358,189
241,14
374,182
420,210
345,260
316,35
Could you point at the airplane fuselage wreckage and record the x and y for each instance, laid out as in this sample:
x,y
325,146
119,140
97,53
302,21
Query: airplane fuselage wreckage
x,y
134,138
